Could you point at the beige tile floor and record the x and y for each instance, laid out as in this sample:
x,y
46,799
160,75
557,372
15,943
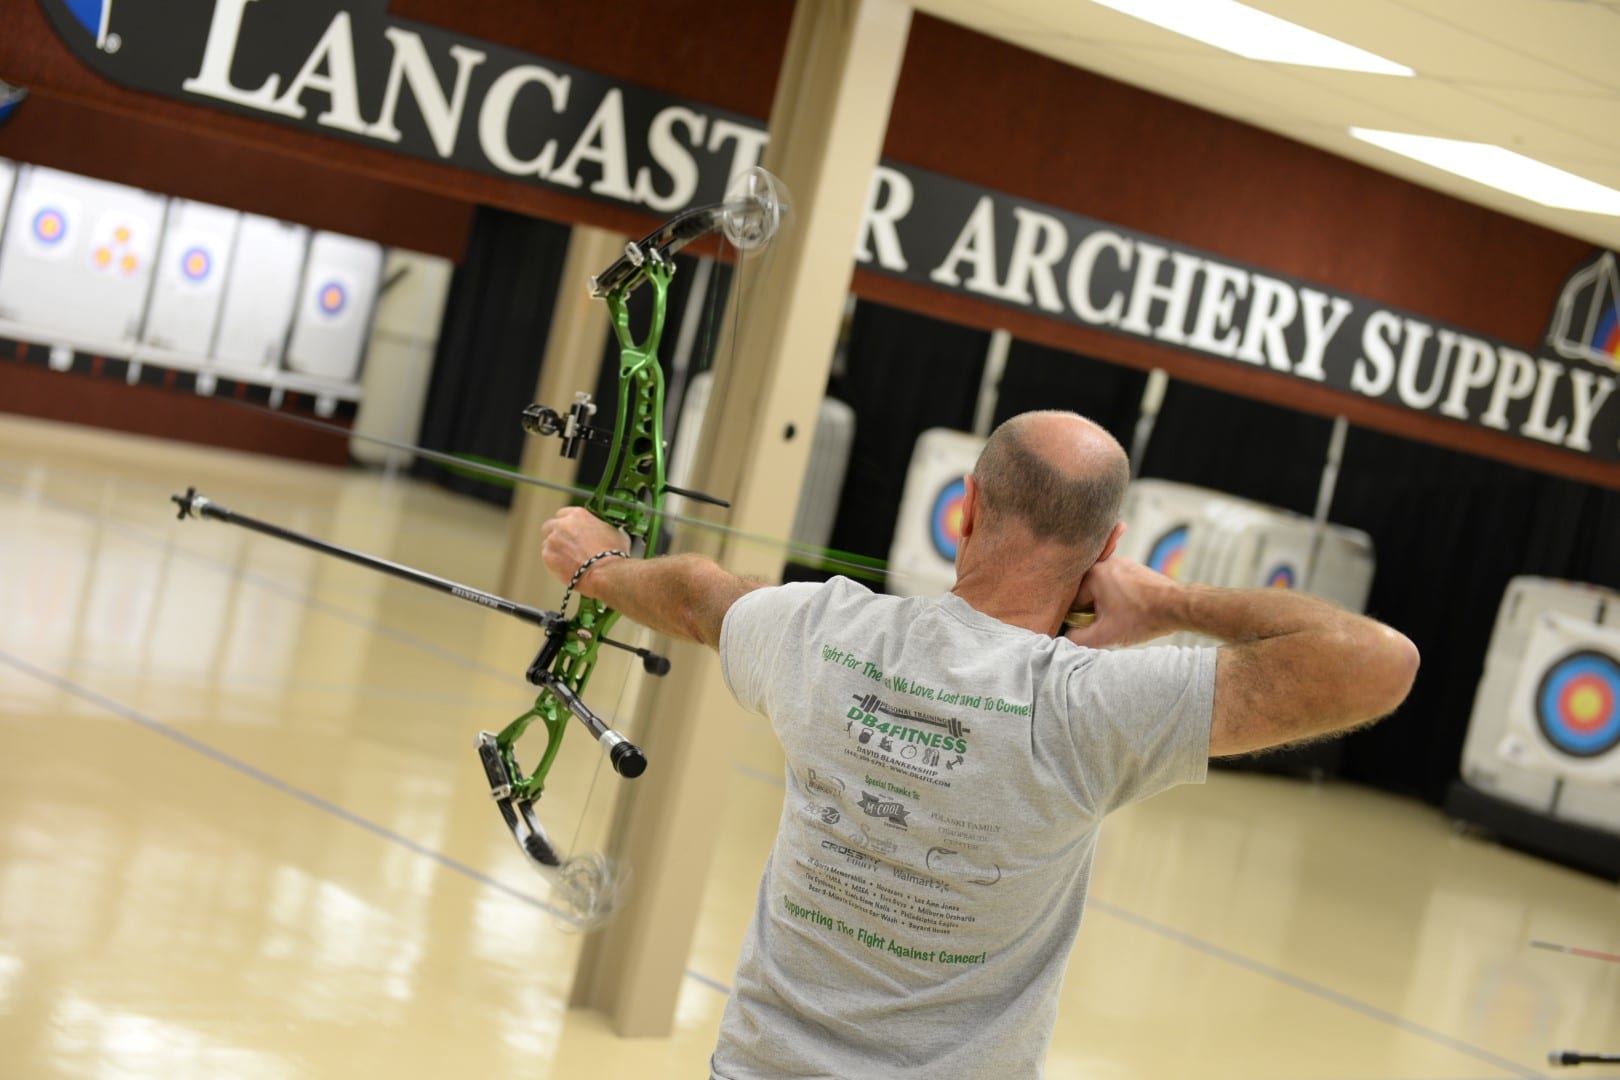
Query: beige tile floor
x,y
243,834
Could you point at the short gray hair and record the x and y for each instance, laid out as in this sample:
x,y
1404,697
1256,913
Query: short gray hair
x,y
1017,482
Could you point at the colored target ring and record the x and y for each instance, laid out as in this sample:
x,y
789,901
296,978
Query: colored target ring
x,y
1578,704
50,226
332,298
195,264
945,522
1281,577
1168,552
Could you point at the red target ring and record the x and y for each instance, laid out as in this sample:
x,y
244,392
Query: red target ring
x,y
1577,704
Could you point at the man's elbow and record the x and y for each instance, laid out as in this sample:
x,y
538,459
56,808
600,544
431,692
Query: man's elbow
x,y
1390,667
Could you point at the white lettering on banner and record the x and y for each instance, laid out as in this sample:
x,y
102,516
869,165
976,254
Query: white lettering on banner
x,y
1270,311
888,200
975,245
1591,391
1412,357
214,78
676,160
441,113
1515,378
1145,289
495,118
1041,240
1320,326
670,139
603,142
1213,330
750,144
335,53
1378,337
1476,368
1536,427
1082,269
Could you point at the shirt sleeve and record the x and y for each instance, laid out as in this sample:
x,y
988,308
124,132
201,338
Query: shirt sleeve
x,y
1141,719
752,636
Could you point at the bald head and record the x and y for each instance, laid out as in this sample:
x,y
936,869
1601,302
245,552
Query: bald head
x,y
1056,473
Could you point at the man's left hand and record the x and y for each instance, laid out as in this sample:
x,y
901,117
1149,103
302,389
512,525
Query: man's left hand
x,y
572,536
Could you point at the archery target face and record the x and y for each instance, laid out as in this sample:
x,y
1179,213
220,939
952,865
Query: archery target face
x,y
49,227
195,258
120,246
331,298
196,264
334,318
1577,704
260,295
77,263
928,530
1563,715
1281,576
945,522
1169,552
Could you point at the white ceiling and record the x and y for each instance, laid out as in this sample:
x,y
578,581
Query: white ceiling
x,y
1539,77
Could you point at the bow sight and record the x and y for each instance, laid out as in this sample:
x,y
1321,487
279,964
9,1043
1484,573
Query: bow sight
x,y
630,495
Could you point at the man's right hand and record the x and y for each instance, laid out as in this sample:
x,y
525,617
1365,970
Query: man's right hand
x,y
1132,604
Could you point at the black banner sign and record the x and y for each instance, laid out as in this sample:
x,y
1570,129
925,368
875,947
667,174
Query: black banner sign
x,y
345,68
348,69
947,234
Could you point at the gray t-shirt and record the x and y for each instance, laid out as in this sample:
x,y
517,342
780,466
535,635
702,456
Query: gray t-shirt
x,y
946,777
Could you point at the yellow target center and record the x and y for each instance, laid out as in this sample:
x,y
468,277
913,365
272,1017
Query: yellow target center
x,y
1585,703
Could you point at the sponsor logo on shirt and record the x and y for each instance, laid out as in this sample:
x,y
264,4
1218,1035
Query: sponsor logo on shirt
x,y
892,811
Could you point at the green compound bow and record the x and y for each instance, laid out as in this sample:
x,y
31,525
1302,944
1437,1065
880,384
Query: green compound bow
x,y
629,495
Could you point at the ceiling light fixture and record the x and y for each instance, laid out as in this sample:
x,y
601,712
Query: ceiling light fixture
x,y
1501,169
1241,29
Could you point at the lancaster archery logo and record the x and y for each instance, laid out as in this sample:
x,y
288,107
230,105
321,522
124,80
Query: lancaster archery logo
x,y
94,16
1586,323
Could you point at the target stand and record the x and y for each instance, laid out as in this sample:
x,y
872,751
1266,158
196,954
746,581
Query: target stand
x,y
922,560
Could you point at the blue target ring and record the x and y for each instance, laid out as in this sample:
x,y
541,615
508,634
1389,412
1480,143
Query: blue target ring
x,y
1578,704
1169,551
195,264
50,226
332,298
945,522
1281,577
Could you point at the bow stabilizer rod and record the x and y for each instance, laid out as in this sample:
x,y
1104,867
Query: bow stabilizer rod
x,y
193,504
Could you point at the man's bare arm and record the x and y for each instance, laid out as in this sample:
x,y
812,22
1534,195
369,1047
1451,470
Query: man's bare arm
x,y
1293,666
682,596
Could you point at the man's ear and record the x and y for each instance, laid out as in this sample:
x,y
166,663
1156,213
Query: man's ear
x,y
970,503
1113,541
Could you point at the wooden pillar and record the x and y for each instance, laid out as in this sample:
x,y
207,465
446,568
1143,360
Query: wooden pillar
x,y
826,137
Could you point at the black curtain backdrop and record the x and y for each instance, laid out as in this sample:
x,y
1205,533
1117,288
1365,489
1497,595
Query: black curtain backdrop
x,y
1449,530
902,374
493,339
1042,378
